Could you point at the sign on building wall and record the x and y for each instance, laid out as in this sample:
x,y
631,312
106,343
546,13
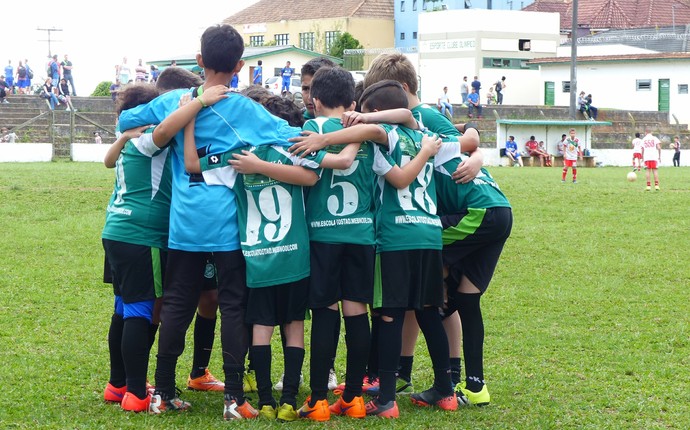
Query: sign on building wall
x,y
448,45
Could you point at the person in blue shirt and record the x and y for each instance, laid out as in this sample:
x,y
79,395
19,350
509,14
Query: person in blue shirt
x,y
9,74
203,219
258,77
512,151
234,82
286,72
473,103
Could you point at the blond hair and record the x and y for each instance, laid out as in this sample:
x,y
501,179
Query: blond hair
x,y
395,66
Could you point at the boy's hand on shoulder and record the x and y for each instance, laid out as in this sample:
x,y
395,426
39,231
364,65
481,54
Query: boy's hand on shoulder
x,y
351,118
133,133
431,145
214,94
467,170
246,162
307,143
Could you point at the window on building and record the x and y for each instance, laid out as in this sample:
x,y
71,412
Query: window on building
x,y
414,35
282,39
682,88
402,5
566,86
414,4
524,44
402,36
331,37
508,63
644,85
306,41
256,40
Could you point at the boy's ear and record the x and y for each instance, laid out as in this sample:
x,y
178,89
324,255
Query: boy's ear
x,y
405,87
352,106
239,66
199,60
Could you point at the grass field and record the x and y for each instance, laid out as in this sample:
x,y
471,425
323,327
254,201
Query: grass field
x,y
586,320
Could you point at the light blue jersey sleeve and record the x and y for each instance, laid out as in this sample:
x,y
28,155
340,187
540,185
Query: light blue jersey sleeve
x,y
152,112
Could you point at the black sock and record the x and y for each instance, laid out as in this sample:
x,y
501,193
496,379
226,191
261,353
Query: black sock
x,y
472,339
261,355
431,326
390,344
153,329
293,358
118,376
373,363
135,354
322,322
405,368
336,338
357,339
204,334
234,374
455,370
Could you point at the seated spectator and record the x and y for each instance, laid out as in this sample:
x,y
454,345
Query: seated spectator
x,y
547,156
4,89
491,96
48,94
512,152
532,149
584,104
593,112
443,102
63,94
473,103
8,136
560,148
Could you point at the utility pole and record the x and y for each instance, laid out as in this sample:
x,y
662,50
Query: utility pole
x,y
49,30
573,64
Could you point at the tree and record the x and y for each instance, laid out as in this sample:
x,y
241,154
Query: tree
x,y
343,42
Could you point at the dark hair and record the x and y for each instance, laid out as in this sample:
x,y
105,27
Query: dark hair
x,y
384,95
334,87
135,95
221,48
285,109
256,93
531,138
636,134
260,62
310,67
173,78
359,89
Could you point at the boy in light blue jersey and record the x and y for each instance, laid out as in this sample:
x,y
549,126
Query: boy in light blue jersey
x,y
275,244
204,219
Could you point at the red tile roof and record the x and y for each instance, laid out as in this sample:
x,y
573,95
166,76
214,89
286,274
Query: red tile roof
x,y
618,14
297,10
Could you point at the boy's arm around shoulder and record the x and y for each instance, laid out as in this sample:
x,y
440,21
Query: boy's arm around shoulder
x,y
311,142
248,163
402,177
400,116
116,148
342,160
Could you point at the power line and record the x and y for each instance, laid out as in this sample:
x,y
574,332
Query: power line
x,y
49,30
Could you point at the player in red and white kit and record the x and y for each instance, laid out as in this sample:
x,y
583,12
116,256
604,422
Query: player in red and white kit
x,y
637,153
572,151
651,154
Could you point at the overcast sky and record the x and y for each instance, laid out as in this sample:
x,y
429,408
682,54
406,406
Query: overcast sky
x,y
149,30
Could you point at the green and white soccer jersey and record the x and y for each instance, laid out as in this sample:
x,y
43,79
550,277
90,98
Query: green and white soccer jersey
x,y
340,205
481,193
405,219
139,209
430,118
273,229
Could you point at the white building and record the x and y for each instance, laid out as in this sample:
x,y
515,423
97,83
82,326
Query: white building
x,y
646,82
488,44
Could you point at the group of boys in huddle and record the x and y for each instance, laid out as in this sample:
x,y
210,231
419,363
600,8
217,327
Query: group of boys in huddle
x,y
373,207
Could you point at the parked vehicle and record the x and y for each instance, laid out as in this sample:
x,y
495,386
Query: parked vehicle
x,y
274,84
